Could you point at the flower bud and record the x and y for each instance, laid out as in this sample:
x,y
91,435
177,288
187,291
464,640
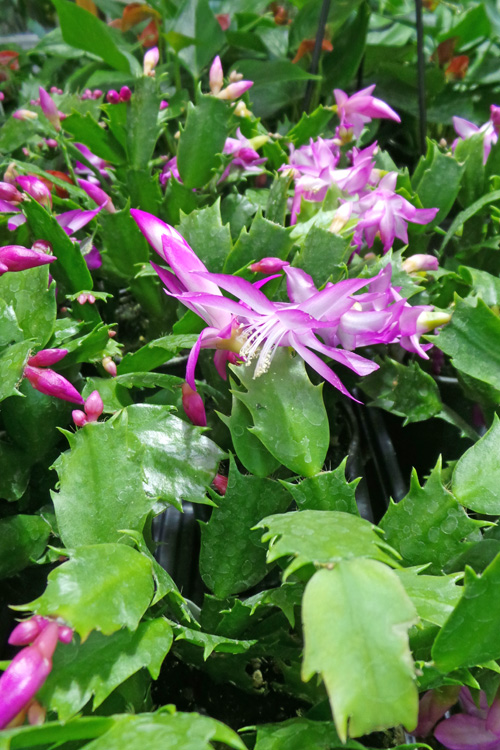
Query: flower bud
x,y
241,110
163,105
428,320
42,246
47,357
113,97
220,484
2,96
125,94
234,77
341,217
52,384
36,713
9,192
193,406
150,61
25,114
94,406
18,258
109,366
49,108
216,76
36,188
235,90
97,94
85,297
65,634
268,265
224,20
420,262
51,142
79,417
27,631
98,195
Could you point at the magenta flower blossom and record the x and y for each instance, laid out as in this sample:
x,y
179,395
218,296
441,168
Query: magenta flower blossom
x,y
244,155
193,405
97,195
49,108
46,380
10,193
112,97
96,161
125,94
36,188
170,170
19,258
489,130
384,212
26,674
268,265
475,728
93,409
252,326
359,109
420,262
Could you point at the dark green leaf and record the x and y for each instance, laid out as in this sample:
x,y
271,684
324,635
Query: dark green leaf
x,y
467,213
211,643
27,538
355,621
209,238
33,301
195,21
142,127
14,472
310,126
102,587
202,140
265,239
323,255
155,353
277,202
476,476
329,490
59,732
437,182
229,568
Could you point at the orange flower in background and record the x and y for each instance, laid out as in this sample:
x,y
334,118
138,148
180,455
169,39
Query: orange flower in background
x,y
149,35
444,51
135,13
457,68
307,45
430,4
88,5
224,20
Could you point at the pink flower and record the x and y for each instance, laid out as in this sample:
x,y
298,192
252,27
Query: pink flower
x,y
47,381
170,170
475,728
18,258
36,188
150,61
49,108
244,156
193,405
216,79
93,409
97,195
220,484
268,265
357,110
24,114
489,130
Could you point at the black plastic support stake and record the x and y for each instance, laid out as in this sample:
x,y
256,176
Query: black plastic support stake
x,y
323,16
422,122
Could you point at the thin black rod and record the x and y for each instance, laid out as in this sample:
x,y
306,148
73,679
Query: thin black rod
x,y
323,16
422,120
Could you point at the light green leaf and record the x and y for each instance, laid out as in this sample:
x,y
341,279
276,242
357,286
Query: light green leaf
x,y
142,126
476,476
428,525
25,539
471,635
323,255
202,140
59,732
288,412
437,182
33,301
356,618
265,239
322,537
301,734
229,568
12,362
433,596
102,587
310,126
209,238
98,666
155,353
329,490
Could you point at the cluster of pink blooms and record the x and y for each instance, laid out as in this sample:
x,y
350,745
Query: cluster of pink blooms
x,y
475,727
332,322
368,197
115,97
489,130
87,94
29,669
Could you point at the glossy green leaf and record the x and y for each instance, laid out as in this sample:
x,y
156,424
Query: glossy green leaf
x,y
29,737
102,587
405,390
231,568
288,413
277,202
467,214
211,643
301,734
310,126
356,619
12,361
164,729
124,243
177,198
27,538
472,340
264,239
329,490
321,537
428,525
323,255
202,140
437,181
10,332
155,353
476,476
103,467
251,452
434,597
470,153
14,472
85,31
209,238
178,461
471,635
33,301
142,127
98,666
101,142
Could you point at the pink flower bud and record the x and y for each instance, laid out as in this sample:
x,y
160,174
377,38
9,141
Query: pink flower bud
x,y
52,384
24,114
79,418
220,484
97,195
150,61
36,188
26,674
47,357
420,262
235,90
9,192
125,94
97,94
113,97
216,76
193,406
2,96
27,631
51,142
36,714
163,105
111,334
224,20
234,77
65,634
268,265
49,108
43,246
94,406
18,258
54,90
109,366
